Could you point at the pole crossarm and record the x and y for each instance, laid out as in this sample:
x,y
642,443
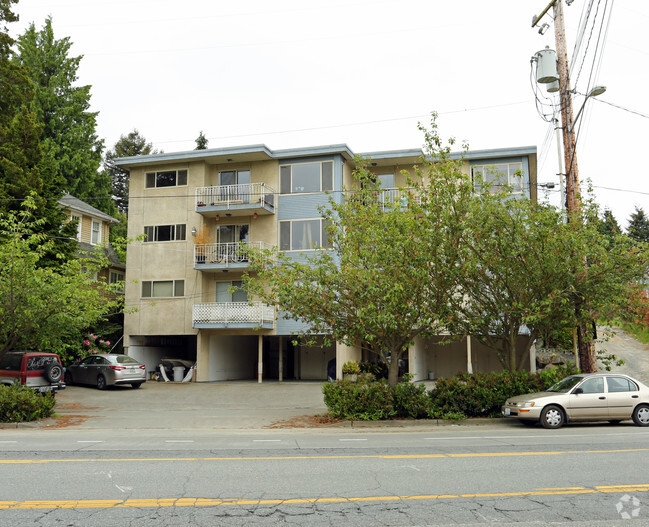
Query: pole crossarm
x,y
535,20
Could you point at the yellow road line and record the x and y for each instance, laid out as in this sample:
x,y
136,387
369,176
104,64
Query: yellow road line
x,y
368,456
218,502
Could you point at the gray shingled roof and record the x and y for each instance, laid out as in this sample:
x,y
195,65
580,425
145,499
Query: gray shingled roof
x,y
69,201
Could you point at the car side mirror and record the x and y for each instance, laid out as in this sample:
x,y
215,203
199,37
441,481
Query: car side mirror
x,y
578,391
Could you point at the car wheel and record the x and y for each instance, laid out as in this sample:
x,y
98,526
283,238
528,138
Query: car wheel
x,y
136,385
101,382
552,417
68,378
641,415
53,372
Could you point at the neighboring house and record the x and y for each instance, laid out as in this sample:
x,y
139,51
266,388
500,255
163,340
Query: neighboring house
x,y
198,209
93,231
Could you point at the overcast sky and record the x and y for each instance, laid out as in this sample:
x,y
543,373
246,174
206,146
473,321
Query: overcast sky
x,y
291,73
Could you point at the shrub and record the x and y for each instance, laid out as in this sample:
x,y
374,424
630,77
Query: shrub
x,y
359,400
21,403
483,394
378,369
351,368
411,400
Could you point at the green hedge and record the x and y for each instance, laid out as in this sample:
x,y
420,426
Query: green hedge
x,y
20,403
465,395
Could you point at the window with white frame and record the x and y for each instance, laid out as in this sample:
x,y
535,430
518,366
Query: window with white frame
x,y
303,235
498,175
163,288
165,233
95,237
116,277
301,178
166,178
74,217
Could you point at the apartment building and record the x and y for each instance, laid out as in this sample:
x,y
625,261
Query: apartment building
x,y
200,209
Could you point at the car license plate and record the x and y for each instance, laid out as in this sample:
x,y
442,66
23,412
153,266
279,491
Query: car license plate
x,y
507,411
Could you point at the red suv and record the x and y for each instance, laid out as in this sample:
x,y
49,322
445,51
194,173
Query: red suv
x,y
39,370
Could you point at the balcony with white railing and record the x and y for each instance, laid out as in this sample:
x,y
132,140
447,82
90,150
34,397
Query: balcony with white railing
x,y
233,315
391,198
225,256
235,200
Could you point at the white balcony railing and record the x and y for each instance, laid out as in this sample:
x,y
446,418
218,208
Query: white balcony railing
x,y
396,197
241,314
254,194
226,253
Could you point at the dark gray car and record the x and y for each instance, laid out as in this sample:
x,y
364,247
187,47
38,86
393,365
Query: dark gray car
x,y
107,370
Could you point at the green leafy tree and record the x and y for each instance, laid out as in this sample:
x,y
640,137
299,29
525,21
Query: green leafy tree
x,y
42,307
201,142
391,266
23,167
131,144
528,269
638,227
69,140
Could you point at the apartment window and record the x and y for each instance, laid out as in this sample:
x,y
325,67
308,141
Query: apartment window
x,y
166,178
231,292
510,174
95,238
302,235
234,177
74,217
163,288
165,233
306,177
385,180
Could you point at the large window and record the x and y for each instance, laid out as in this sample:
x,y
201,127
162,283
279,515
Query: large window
x,y
302,235
95,238
165,233
306,177
510,174
163,288
166,178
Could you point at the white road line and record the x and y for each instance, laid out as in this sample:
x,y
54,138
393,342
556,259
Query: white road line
x,y
355,439
89,441
8,441
179,441
266,440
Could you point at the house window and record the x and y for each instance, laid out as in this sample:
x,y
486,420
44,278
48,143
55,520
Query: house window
x,y
166,178
234,177
501,174
306,177
302,235
163,288
116,277
74,217
165,233
232,233
96,233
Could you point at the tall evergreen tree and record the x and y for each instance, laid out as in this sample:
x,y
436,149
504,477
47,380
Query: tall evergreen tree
x,y
132,144
638,227
608,226
23,167
69,140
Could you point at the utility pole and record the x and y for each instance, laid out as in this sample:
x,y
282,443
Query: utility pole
x,y
587,362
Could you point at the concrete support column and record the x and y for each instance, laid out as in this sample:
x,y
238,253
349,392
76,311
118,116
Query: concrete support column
x,y
344,354
533,357
202,356
260,358
281,358
469,359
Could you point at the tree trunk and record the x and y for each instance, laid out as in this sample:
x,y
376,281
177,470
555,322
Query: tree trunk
x,y
587,362
393,370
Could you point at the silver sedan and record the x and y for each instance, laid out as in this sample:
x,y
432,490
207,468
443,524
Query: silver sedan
x,y
107,370
587,397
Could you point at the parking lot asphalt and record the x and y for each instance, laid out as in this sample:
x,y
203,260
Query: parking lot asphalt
x,y
247,404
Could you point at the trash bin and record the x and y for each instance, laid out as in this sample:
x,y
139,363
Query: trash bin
x,y
431,375
179,373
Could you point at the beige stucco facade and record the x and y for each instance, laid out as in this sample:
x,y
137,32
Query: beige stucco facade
x,y
162,326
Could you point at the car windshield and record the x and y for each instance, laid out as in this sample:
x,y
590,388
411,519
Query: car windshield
x,y
565,385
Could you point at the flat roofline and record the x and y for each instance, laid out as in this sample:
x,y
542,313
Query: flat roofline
x,y
262,152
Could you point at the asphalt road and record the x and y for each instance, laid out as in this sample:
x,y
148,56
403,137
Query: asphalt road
x,y
480,475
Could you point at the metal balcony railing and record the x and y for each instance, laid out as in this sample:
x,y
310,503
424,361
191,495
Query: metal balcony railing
x,y
226,253
233,314
226,196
